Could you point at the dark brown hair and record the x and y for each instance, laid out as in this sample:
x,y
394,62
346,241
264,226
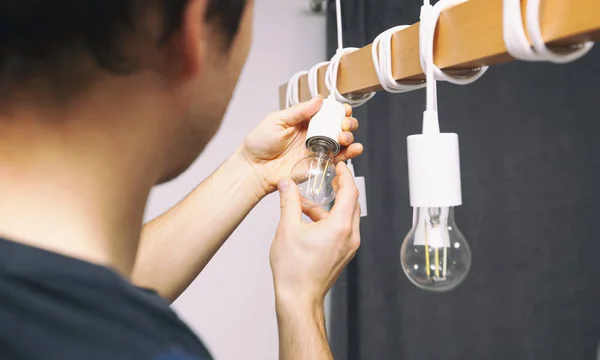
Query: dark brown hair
x,y
38,32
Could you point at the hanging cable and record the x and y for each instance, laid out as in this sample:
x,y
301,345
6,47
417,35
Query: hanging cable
x,y
515,38
427,30
429,18
331,75
433,157
292,93
340,30
381,52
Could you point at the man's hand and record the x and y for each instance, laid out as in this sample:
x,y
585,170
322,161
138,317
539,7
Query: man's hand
x,y
278,142
306,259
176,246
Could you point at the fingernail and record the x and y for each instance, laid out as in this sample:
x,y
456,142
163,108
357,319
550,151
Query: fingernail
x,y
283,185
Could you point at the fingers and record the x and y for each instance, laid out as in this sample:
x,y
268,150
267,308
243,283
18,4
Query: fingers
x,y
347,195
316,213
291,208
348,109
350,152
350,124
346,138
302,112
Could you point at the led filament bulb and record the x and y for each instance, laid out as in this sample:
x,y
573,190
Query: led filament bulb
x,y
435,255
314,175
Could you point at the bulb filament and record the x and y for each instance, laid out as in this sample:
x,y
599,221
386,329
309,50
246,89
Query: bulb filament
x,y
441,240
315,186
315,190
323,178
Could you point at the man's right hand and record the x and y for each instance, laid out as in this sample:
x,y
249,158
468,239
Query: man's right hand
x,y
307,258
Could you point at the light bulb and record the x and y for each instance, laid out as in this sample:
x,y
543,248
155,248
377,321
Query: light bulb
x,y
435,255
314,175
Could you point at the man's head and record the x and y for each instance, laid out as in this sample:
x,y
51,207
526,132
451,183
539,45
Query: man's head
x,y
167,68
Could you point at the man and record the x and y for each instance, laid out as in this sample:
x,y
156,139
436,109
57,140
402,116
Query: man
x,y
103,99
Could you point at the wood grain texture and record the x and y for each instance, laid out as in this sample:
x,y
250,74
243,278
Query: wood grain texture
x,y
468,35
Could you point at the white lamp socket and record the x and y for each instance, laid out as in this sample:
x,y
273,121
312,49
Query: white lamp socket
x,y
434,170
326,125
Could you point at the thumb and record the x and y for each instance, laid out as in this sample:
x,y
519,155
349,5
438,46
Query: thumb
x,y
302,112
291,207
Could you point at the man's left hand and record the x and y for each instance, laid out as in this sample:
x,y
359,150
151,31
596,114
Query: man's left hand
x,y
278,142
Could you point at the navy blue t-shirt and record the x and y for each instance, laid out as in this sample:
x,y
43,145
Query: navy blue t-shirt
x,y
55,307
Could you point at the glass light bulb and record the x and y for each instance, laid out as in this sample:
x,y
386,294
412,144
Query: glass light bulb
x,y
435,255
314,176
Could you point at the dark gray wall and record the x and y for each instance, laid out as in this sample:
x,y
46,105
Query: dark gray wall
x,y
531,213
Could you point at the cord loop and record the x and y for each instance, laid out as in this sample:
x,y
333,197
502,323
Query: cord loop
x,y
429,19
381,53
313,78
292,96
515,38
331,77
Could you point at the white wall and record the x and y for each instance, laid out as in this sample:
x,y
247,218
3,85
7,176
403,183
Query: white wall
x,y
231,304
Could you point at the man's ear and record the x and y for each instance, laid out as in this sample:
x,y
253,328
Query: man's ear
x,y
187,48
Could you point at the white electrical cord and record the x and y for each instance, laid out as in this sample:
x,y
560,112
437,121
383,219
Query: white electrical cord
x,y
338,22
381,53
427,31
313,78
433,157
331,77
515,38
332,70
331,81
292,93
513,33
429,18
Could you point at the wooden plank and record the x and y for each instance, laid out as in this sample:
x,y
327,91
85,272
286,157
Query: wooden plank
x,y
468,35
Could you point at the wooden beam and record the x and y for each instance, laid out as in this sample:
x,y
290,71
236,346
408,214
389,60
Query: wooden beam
x,y
467,35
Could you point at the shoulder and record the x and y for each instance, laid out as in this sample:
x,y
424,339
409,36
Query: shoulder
x,y
73,310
